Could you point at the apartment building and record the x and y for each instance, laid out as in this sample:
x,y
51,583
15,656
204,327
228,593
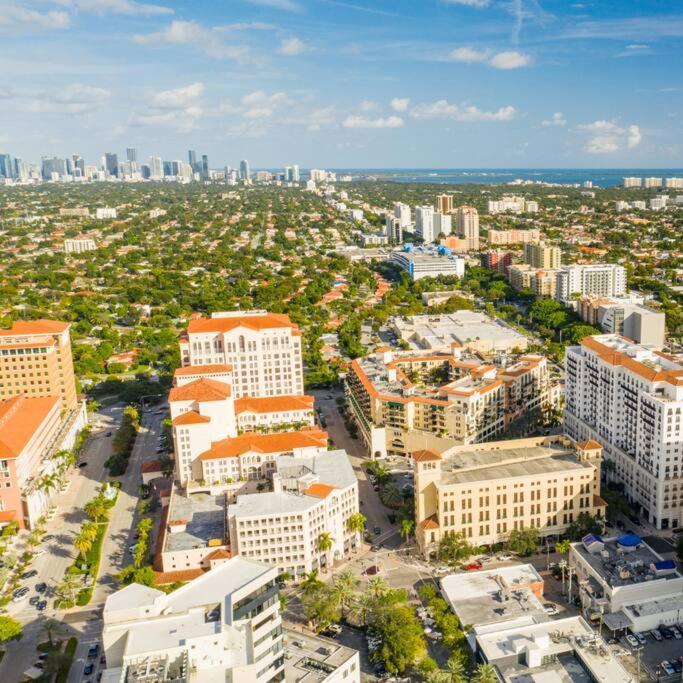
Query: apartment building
x,y
652,182
542,256
467,226
630,398
442,224
420,264
32,431
485,491
79,245
495,259
453,395
597,279
633,182
35,360
223,626
403,213
263,349
513,204
544,284
424,223
506,237
444,203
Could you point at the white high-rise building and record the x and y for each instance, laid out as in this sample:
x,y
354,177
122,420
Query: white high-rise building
x,y
467,225
424,223
629,398
403,213
442,224
673,183
245,173
263,350
633,182
596,279
223,626
296,176
393,229
652,182
658,203
156,168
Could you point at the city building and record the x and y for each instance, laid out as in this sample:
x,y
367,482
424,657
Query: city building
x,y
470,329
505,237
512,204
673,183
633,182
542,256
544,284
36,360
455,395
520,276
105,213
597,279
245,173
495,259
421,263
550,650
223,626
311,659
403,213
444,203
79,245
263,350
487,490
629,398
393,229
111,164
33,430
623,583
652,182
74,212
156,168
442,224
467,225
424,223
658,203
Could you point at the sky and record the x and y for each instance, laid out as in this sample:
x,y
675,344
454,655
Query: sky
x,y
346,83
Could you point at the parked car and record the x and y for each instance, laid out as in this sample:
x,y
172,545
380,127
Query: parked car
x,y
549,608
108,434
668,669
631,640
29,574
677,634
377,530
332,630
472,566
666,633
82,464
656,634
641,638
34,600
93,650
89,668
19,593
372,570
47,538
504,557
40,606
375,548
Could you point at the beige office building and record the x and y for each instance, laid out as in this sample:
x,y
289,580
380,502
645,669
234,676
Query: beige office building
x,y
485,491
542,256
35,360
444,203
467,225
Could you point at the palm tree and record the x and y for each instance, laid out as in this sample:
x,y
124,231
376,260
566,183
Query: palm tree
x,y
377,587
485,673
363,607
455,671
89,530
311,582
344,590
356,524
562,547
95,509
407,526
68,587
82,543
51,627
325,543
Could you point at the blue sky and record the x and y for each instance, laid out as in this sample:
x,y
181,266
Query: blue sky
x,y
337,83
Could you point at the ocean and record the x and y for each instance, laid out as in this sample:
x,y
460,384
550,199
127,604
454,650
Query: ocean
x,y
600,177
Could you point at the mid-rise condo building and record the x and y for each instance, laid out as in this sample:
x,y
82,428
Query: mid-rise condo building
x,y
597,279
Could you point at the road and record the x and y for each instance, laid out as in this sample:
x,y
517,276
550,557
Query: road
x,y
59,554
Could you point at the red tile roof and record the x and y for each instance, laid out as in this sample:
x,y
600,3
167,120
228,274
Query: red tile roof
x,y
431,522
202,389
215,368
20,418
192,417
35,327
319,490
150,466
589,445
273,404
253,322
265,443
425,456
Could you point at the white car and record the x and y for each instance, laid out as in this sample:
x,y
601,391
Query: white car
x,y
631,640
676,632
504,557
549,608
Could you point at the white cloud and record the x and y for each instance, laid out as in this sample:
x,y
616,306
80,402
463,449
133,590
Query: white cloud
x,y
364,122
400,103
607,137
178,98
498,60
557,119
510,60
291,47
129,7
322,117
368,105
13,17
468,55
468,3
633,136
287,5
179,108
210,40
73,99
442,109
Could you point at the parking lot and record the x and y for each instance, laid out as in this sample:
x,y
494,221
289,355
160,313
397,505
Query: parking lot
x,y
654,652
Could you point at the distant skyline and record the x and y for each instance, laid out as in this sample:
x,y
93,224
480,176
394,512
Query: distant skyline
x,y
346,84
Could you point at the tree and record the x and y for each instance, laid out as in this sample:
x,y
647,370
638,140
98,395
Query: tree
x,y
321,608
132,574
82,543
356,524
57,661
562,547
523,541
454,547
407,527
96,508
68,587
325,543
401,638
51,627
485,673
9,628
582,525
89,530
344,590
311,582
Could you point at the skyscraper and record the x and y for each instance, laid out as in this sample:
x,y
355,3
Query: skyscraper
x,y
205,167
132,154
20,169
467,225
52,165
424,223
244,170
295,173
6,170
156,168
111,163
192,159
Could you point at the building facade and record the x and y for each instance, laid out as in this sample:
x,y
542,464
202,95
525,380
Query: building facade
x,y
542,256
597,279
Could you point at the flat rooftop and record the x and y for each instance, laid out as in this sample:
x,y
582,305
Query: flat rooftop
x,y
312,659
485,597
573,647
618,568
434,331
501,463
204,515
